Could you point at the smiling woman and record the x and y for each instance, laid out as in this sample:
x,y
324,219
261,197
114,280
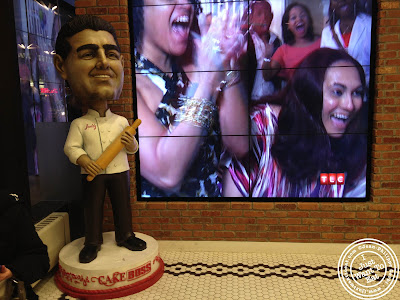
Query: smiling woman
x,y
342,97
299,41
186,117
319,128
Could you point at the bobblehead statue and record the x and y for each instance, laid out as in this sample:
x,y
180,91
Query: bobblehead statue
x,y
89,59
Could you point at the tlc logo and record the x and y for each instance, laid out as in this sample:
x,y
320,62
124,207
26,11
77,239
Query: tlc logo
x,y
331,178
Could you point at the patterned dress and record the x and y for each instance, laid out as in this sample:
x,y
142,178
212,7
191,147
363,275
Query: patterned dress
x,y
262,177
202,178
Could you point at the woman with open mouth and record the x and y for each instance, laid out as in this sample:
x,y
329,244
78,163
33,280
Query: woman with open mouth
x,y
319,128
299,41
349,28
188,119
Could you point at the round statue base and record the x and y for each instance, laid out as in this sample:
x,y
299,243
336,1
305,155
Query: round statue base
x,y
116,272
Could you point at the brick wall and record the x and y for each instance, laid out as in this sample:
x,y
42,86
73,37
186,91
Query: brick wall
x,y
289,221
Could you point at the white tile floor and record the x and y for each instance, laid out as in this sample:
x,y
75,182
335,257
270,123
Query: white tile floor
x,y
226,275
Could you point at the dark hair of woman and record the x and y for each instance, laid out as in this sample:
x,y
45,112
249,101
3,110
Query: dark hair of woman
x,y
288,36
138,19
302,147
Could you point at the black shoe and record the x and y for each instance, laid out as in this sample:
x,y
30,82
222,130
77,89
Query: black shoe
x,y
133,244
88,253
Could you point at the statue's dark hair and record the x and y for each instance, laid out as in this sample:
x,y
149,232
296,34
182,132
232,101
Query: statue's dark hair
x,y
288,36
302,147
138,19
78,24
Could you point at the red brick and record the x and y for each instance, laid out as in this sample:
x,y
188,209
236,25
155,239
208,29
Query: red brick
x,y
232,213
97,11
171,227
245,220
289,235
331,206
277,228
192,226
256,227
246,234
391,185
180,220
309,235
367,229
355,236
221,206
361,222
238,205
201,220
263,206
268,221
224,234
235,227
112,18
378,222
197,206
308,206
297,228
149,213
289,221
316,228
80,11
390,215
383,237
205,234
298,214
170,213
344,215
223,220
254,214
211,213
190,213
343,229
181,233
332,236
321,214
175,205
367,215
213,226
390,230
275,214
379,207
85,3
270,235
107,2
286,206
311,221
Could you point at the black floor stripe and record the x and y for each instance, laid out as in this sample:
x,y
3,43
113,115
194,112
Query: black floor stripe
x,y
258,270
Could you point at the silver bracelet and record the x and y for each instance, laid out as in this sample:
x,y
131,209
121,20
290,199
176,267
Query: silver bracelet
x,y
198,112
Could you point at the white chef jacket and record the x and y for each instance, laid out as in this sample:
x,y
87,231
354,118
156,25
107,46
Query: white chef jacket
x,y
92,134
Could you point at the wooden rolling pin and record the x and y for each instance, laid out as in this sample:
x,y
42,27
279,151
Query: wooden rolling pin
x,y
114,148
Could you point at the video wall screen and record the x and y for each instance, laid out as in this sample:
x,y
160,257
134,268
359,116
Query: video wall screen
x,y
262,100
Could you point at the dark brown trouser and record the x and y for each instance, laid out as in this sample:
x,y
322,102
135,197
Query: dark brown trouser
x,y
117,186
